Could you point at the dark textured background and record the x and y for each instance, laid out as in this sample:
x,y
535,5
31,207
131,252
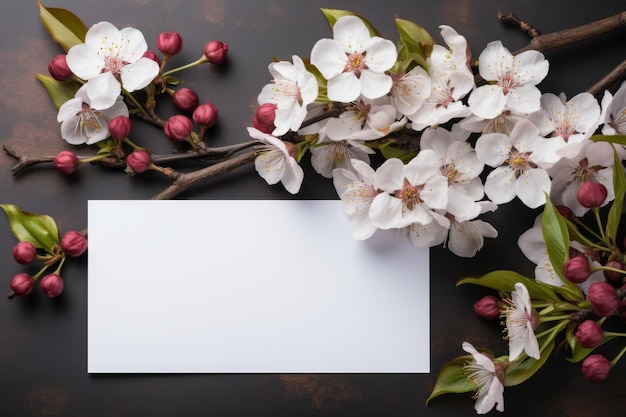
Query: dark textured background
x,y
43,342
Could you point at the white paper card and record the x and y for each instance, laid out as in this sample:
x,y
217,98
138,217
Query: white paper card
x,y
275,286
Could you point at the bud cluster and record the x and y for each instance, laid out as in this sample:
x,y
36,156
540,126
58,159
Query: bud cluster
x,y
72,244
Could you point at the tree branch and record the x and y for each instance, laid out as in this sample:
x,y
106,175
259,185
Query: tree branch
x,y
612,78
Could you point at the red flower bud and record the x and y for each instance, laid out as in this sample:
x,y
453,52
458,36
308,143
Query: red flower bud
x,y
169,43
603,298
565,212
613,275
22,284
138,160
73,243
52,285
151,55
488,307
178,127
591,194
24,252
264,118
596,367
66,162
215,52
185,99
58,68
120,127
576,269
589,334
205,114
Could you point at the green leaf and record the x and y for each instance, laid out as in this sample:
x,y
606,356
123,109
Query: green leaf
x,y
58,91
452,378
389,150
617,139
332,15
521,370
579,353
64,27
556,236
39,229
506,280
615,212
416,40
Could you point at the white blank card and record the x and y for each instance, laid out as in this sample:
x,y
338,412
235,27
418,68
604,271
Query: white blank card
x,y
275,286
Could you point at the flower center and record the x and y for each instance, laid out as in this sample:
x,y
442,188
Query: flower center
x,y
114,65
409,194
519,161
450,172
90,122
355,63
507,82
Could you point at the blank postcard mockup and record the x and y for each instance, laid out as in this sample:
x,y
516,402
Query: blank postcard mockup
x,y
259,286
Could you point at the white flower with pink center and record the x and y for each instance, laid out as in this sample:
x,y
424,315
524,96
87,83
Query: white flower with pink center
x,y
354,62
513,81
516,172
110,56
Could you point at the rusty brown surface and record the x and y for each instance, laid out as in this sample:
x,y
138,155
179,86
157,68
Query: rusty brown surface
x,y
43,342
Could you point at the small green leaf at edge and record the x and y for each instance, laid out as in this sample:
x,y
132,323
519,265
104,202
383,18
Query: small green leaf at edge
x,y
615,212
388,151
504,280
617,139
452,378
39,229
556,236
521,370
59,92
415,38
332,15
579,353
64,27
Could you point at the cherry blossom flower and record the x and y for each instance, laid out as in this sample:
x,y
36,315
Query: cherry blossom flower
x,y
459,164
516,170
292,89
566,122
444,101
82,122
365,120
614,112
275,163
411,191
456,57
515,80
356,191
487,378
502,123
594,162
467,235
108,56
410,90
328,155
521,321
354,62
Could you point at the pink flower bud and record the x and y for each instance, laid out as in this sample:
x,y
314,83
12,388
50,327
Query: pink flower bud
x,y
576,269
603,298
169,43
613,275
185,99
22,284
24,252
488,307
151,55
264,118
205,114
73,243
58,68
138,160
66,162
591,194
596,367
215,52
178,127
52,285
120,127
589,334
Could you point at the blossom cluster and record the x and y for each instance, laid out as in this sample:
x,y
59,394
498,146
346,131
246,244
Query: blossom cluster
x,y
359,93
